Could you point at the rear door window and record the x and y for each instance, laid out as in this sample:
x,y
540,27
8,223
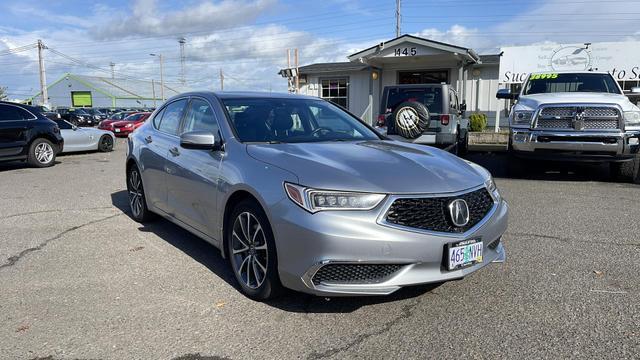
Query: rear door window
x,y
171,117
13,113
431,97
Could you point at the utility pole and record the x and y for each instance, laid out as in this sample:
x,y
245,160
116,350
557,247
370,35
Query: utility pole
x,y
289,82
161,75
398,18
182,41
113,71
221,80
43,76
297,75
153,92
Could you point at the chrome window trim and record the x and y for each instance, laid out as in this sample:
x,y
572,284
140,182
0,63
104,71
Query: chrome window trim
x,y
381,220
620,117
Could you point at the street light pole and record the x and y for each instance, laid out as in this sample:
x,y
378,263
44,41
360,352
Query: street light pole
x,y
161,75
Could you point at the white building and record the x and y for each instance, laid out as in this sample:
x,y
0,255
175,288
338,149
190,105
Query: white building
x,y
357,84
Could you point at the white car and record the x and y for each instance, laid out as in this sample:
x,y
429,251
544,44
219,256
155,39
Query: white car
x,y
84,138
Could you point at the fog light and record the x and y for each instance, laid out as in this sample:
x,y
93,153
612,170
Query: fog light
x,y
634,141
520,137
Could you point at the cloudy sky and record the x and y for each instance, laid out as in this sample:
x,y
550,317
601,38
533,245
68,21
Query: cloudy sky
x,y
248,39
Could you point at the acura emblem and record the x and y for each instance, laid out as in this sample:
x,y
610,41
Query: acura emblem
x,y
459,212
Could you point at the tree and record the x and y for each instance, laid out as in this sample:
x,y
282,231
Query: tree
x,y
3,93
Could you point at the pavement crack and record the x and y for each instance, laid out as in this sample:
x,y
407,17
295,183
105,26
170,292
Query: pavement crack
x,y
407,311
51,211
570,240
15,258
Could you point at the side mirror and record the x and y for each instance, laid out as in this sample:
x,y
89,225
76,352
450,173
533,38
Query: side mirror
x,y
202,140
506,94
635,90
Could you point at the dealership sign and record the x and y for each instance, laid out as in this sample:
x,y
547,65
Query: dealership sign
x,y
621,59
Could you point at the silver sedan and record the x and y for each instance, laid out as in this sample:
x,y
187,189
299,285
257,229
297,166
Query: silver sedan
x,y
84,138
298,193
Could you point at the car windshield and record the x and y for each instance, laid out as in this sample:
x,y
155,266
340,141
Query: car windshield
x,y
81,112
293,121
431,97
134,117
578,82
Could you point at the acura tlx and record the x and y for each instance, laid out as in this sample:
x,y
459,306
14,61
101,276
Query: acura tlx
x,y
298,193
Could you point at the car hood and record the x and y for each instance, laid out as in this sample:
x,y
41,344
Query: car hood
x,y
535,100
121,123
371,166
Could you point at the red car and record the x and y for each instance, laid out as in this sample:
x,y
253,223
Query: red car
x,y
107,124
125,127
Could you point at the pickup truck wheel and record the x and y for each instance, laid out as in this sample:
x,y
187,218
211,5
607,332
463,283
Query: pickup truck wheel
x,y
628,171
410,119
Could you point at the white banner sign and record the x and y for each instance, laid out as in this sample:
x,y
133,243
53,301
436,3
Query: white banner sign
x,y
621,59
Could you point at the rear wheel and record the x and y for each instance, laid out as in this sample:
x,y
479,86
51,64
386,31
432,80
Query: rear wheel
x,y
252,252
105,144
628,171
462,146
41,153
137,198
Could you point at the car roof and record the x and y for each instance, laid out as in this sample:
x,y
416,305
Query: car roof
x,y
247,94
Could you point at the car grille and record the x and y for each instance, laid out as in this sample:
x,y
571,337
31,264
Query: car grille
x,y
594,118
354,273
432,213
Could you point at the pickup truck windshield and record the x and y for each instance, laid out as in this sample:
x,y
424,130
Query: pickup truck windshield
x,y
579,82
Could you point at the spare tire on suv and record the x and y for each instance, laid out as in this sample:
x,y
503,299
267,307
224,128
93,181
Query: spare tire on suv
x,y
410,119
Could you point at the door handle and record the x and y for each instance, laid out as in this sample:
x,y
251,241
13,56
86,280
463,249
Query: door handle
x,y
174,151
148,139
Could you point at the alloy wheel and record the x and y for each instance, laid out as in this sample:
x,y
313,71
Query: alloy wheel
x,y
136,194
106,143
44,153
249,250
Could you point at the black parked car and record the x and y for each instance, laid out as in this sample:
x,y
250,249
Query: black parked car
x,y
78,117
26,134
50,114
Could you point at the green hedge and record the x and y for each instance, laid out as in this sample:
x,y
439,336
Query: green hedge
x,y
477,122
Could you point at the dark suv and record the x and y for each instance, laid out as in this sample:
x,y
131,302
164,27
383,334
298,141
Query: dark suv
x,y
424,114
25,134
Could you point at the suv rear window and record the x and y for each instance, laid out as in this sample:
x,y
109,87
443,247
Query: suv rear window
x,y
431,97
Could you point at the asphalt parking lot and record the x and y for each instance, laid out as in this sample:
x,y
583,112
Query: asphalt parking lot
x,y
80,279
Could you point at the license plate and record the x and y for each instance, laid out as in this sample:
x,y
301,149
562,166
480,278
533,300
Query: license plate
x,y
464,253
117,130
426,139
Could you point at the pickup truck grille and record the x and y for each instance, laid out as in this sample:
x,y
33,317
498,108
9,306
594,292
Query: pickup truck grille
x,y
578,118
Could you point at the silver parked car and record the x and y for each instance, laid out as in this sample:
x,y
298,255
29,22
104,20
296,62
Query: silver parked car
x,y
84,138
296,192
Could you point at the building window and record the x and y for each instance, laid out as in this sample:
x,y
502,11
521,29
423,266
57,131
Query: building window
x,y
423,77
336,91
81,99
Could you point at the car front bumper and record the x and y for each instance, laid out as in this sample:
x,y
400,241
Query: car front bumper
x,y
306,242
576,145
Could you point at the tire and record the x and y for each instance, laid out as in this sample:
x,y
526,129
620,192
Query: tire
x,y
410,119
252,252
42,153
462,147
137,198
105,144
628,171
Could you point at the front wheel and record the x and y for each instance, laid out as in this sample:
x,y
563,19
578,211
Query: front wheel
x,y
252,251
41,153
628,171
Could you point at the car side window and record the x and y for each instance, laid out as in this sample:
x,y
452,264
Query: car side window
x,y
200,117
171,117
13,113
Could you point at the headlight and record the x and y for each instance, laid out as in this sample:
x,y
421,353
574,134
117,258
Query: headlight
x,y
129,125
632,117
314,200
493,190
522,117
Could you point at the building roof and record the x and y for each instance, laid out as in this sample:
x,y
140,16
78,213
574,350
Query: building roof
x,y
332,67
417,40
123,88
